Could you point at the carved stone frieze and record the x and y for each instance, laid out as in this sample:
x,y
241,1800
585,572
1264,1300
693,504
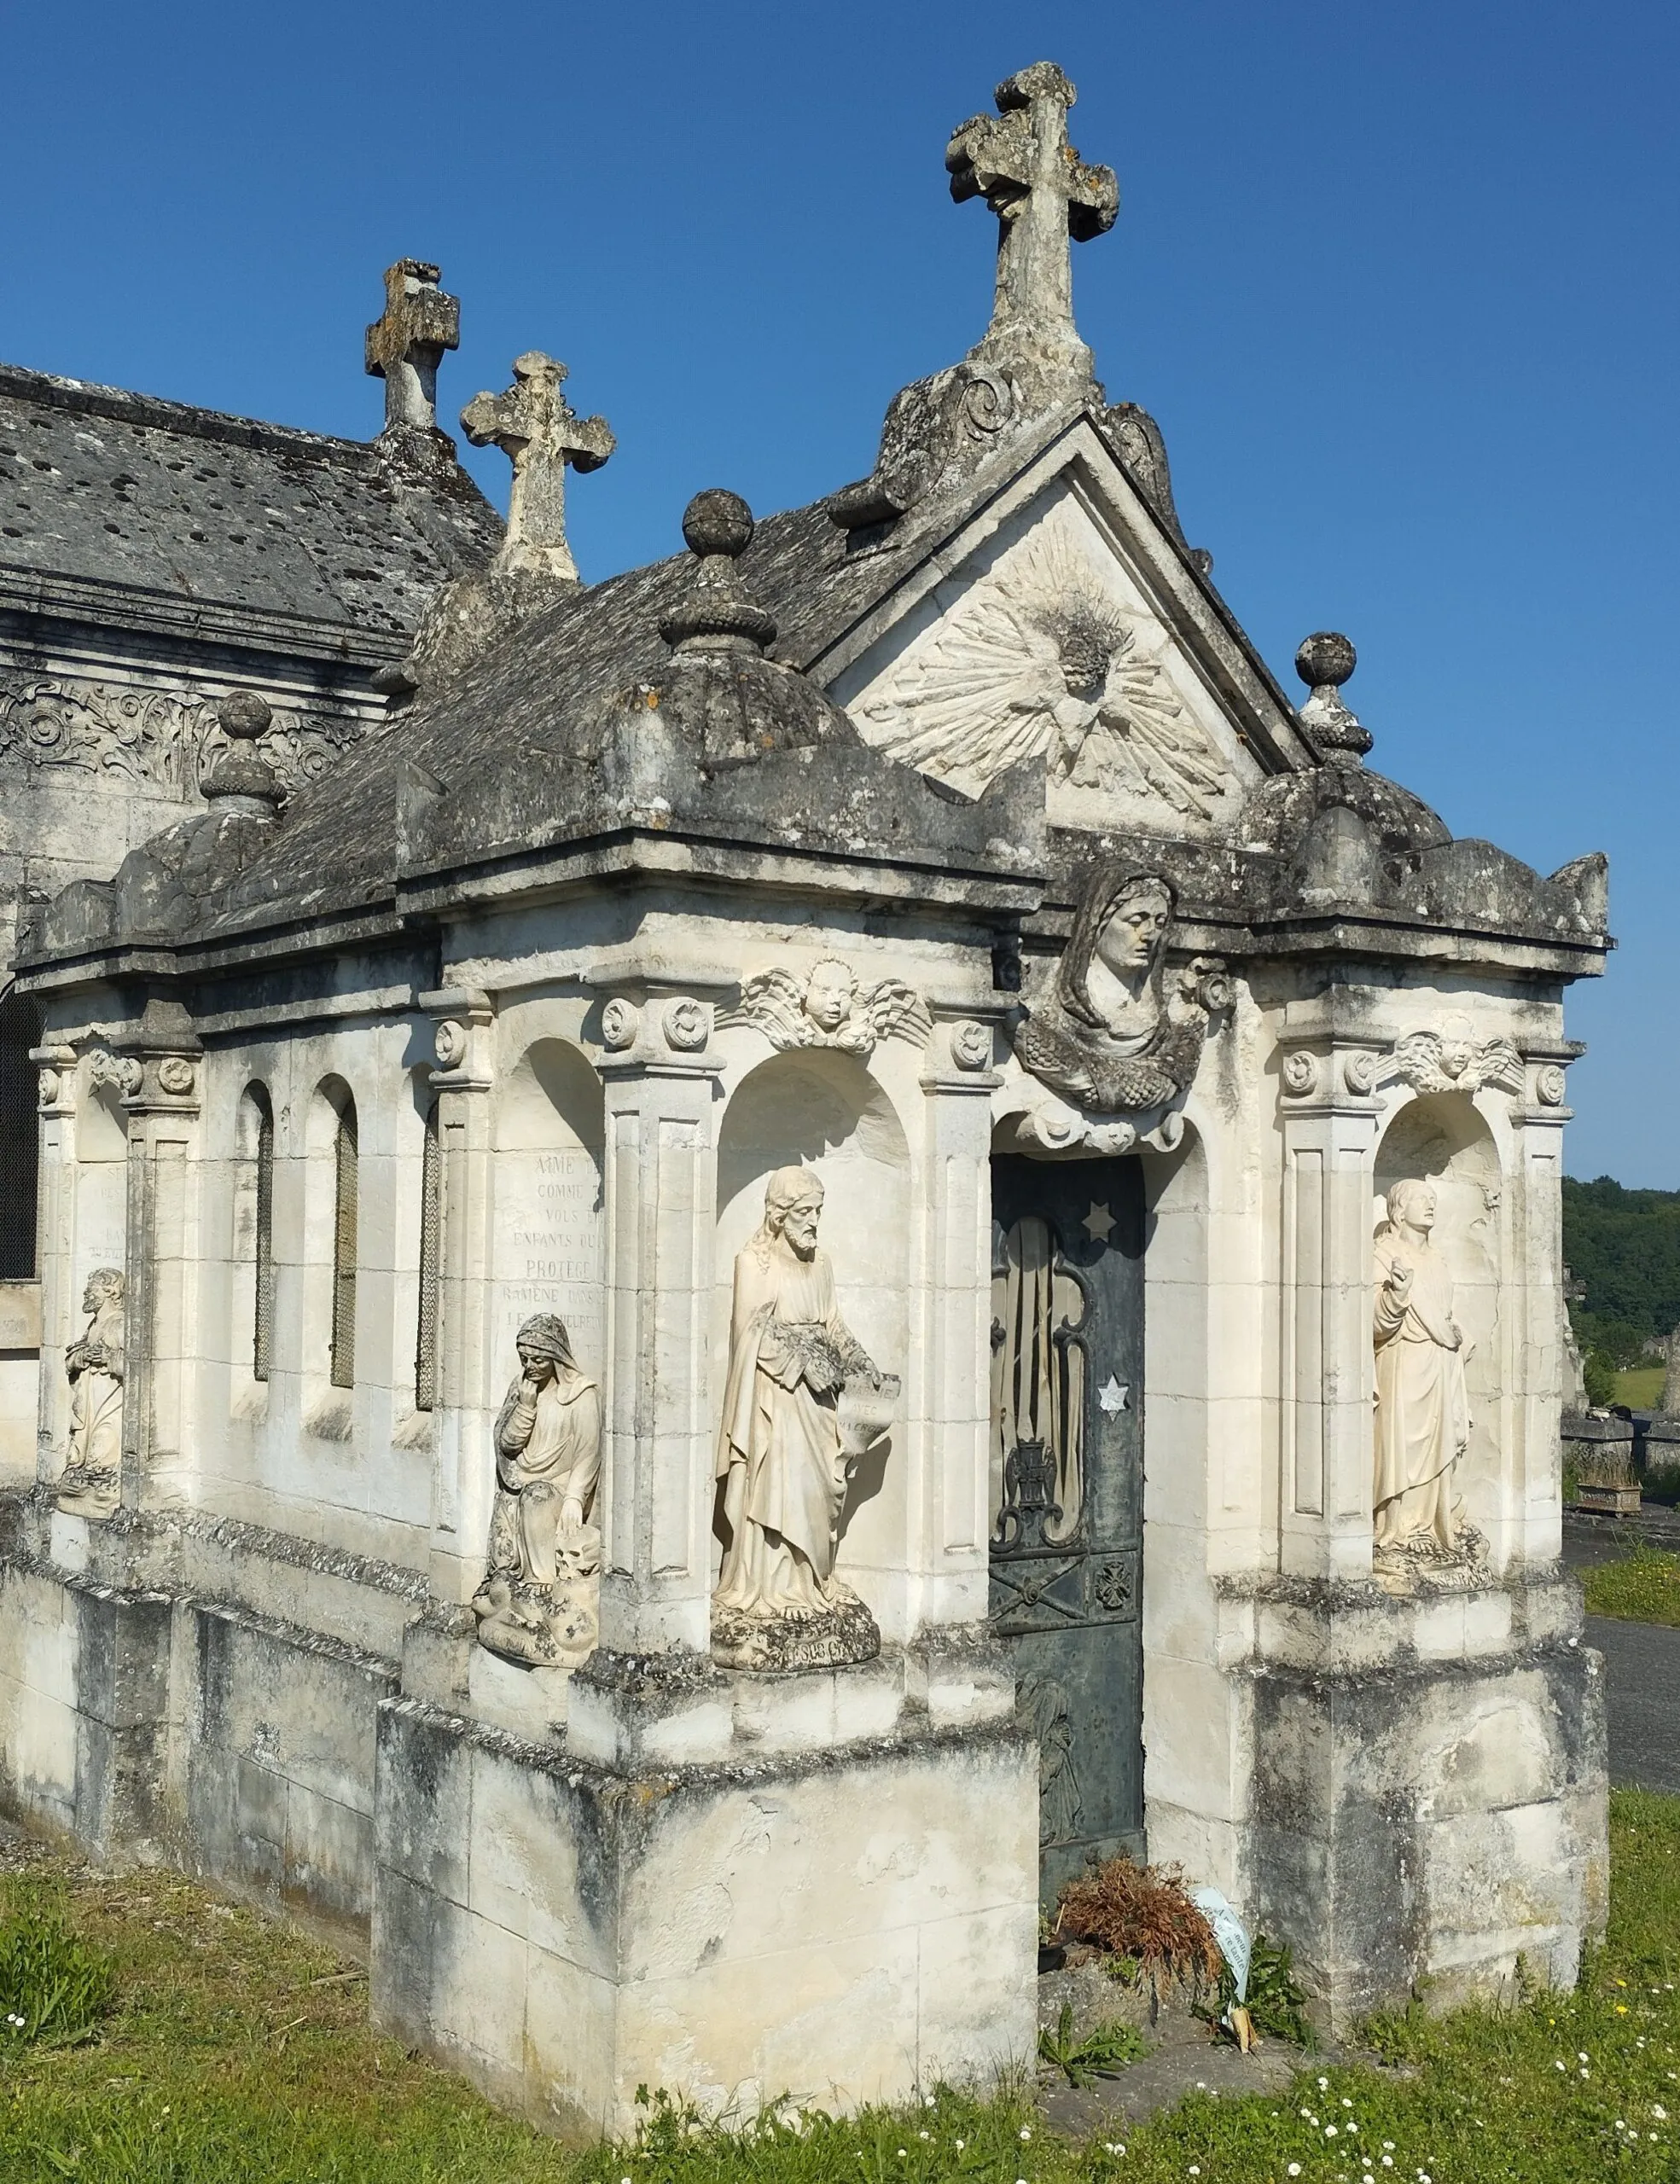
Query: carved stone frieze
x,y
161,739
1040,662
828,1006
1452,1059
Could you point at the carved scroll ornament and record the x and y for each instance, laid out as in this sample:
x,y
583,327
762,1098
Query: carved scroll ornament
x,y
828,1006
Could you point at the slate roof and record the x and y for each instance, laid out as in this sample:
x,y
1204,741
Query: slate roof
x,y
127,493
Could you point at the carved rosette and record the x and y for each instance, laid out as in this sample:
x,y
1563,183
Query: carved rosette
x,y
459,1028
1550,1085
687,1025
971,1045
620,1023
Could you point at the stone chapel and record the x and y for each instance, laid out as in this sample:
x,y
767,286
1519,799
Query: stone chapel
x,y
852,1223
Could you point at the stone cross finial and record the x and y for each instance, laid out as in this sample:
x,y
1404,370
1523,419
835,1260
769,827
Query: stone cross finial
x,y
1044,194
407,342
535,429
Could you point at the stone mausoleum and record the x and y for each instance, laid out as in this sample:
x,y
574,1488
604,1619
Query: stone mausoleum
x,y
849,1223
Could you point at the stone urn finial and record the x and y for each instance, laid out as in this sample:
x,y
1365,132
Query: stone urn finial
x,y
717,616
239,778
1324,661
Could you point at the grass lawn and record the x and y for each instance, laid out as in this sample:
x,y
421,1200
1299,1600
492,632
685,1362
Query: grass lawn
x,y
1640,1387
1644,1587
236,2053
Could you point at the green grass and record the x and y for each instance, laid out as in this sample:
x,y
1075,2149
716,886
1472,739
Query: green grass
x,y
1643,1587
1639,1387
237,2053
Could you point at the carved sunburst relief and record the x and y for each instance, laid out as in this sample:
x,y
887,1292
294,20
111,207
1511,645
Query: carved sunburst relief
x,y
1040,661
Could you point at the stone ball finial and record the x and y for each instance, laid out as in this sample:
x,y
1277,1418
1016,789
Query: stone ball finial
x,y
244,716
717,522
1326,657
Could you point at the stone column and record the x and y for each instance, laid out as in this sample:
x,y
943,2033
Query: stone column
x,y
162,1097
1326,1372
655,1496
462,1079
949,1376
56,1202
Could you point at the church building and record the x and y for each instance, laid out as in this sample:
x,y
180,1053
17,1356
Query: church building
x,y
853,1222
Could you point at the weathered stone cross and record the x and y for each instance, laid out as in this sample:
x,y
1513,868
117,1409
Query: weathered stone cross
x,y
1042,193
535,429
406,344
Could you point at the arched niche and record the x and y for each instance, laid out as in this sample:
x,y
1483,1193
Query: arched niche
x,y
824,1111
1440,1138
546,1242
101,1184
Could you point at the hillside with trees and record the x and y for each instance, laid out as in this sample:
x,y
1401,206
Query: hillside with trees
x,y
1623,1248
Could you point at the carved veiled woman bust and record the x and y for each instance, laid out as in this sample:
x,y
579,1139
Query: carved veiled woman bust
x,y
1109,1040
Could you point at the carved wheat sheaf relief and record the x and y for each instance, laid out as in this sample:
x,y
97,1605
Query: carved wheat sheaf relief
x,y
1040,662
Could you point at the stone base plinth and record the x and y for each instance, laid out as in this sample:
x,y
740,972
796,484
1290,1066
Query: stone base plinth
x,y
1429,1788
842,1925
784,1645
1609,1500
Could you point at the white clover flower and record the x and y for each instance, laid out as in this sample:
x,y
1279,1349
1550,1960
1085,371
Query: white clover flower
x,y
1295,2169
1346,2102
1660,2111
922,2134
1025,2133
1329,2130
1323,2085
961,2143
1582,2056
1196,2169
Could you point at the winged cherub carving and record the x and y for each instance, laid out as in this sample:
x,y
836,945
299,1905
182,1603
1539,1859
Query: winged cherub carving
x,y
1453,1061
1048,667
829,1007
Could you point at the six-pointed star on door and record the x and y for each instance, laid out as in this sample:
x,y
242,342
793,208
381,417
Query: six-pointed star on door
x,y
1113,1396
1098,1223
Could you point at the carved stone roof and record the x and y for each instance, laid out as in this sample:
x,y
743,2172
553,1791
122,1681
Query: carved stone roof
x,y
112,494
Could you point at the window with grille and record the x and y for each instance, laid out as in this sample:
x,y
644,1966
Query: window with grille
x,y
262,1334
344,1251
431,1229
19,1030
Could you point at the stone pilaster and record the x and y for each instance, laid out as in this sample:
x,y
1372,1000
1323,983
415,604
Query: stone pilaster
x,y
1530,1525
462,1078
660,1192
56,1203
948,1494
161,1064
1329,1122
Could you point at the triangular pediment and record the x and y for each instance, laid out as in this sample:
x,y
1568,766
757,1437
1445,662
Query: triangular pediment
x,y
1060,622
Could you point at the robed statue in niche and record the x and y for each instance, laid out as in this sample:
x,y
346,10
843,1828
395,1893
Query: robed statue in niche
x,y
802,1399
1422,1405
537,1603
1112,1038
91,1486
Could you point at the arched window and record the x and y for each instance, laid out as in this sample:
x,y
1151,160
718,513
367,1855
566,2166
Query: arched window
x,y
430,1235
344,1249
19,1153
262,1329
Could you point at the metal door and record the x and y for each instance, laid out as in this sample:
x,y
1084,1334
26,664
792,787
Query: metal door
x,y
1067,1445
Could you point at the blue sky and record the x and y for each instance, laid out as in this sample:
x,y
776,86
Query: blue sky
x,y
1399,281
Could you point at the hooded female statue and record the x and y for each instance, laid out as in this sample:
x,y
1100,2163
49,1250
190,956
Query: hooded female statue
x,y
92,1483
1422,1405
1109,1040
548,1460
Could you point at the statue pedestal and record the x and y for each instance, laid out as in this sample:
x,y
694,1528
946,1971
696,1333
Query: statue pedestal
x,y
564,1930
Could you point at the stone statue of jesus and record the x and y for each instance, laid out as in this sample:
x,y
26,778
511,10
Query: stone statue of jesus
x,y
779,1452
1422,1406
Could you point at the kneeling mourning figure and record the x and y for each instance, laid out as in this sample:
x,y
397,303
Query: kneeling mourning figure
x,y
611,1264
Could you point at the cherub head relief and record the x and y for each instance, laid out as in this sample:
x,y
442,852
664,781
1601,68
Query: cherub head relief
x,y
828,1007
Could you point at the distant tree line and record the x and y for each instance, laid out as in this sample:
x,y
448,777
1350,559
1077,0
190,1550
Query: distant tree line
x,y
1623,1248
